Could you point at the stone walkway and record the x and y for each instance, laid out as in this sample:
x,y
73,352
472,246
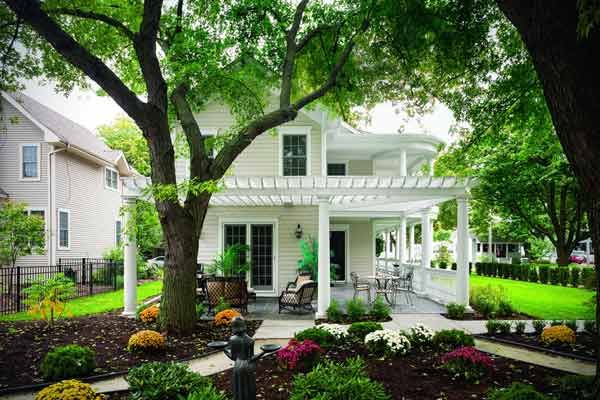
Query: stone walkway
x,y
279,331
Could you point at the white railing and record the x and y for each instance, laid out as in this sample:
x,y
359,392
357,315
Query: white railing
x,y
440,285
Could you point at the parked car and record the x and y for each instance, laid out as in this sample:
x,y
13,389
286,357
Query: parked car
x,y
156,261
578,257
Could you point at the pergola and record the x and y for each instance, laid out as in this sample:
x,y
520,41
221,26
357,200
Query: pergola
x,y
398,197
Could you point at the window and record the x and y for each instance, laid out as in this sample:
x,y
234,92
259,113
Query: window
x,y
236,234
294,155
30,161
336,169
64,225
40,213
111,178
118,232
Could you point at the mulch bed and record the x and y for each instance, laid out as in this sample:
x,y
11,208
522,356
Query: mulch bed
x,y
23,345
476,316
584,347
414,376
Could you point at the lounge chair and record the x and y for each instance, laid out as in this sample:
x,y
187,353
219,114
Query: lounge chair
x,y
299,298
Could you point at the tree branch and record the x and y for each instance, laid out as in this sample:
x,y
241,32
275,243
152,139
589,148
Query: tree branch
x,y
290,57
96,17
32,14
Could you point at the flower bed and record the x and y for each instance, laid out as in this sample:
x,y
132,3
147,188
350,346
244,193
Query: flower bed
x,y
25,344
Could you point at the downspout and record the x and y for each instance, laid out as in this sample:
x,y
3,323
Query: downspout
x,y
51,204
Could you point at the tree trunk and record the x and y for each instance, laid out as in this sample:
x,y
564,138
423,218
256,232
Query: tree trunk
x,y
562,255
567,66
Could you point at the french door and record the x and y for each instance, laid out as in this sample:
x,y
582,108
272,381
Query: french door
x,y
260,239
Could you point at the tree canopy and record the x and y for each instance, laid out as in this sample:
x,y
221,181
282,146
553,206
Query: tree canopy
x,y
21,233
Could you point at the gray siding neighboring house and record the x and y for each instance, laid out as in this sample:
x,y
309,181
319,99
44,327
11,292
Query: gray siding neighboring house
x,y
67,168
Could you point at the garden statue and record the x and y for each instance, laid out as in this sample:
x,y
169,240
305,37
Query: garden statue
x,y
240,349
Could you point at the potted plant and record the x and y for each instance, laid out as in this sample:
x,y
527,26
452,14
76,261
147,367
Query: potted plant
x,y
309,263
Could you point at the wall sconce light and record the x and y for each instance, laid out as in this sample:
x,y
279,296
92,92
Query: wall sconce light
x,y
298,232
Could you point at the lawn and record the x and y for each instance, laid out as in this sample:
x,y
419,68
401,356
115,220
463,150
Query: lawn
x,y
543,301
98,303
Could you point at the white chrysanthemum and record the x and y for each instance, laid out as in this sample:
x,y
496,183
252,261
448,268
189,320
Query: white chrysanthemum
x,y
339,331
393,341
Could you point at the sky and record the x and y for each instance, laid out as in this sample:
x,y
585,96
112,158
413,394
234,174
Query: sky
x,y
90,110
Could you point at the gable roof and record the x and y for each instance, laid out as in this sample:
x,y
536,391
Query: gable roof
x,y
67,131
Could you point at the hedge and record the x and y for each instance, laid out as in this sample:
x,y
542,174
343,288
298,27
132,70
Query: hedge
x,y
543,272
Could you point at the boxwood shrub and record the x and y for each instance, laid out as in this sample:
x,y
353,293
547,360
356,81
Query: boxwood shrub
x,y
575,273
563,275
450,339
554,276
544,273
533,274
359,330
70,361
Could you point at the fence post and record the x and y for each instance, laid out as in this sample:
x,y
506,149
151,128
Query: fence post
x,y
114,272
91,277
18,289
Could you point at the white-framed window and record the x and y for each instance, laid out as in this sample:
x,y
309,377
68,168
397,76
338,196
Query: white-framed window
x,y
29,161
64,229
118,232
336,169
38,212
111,178
294,151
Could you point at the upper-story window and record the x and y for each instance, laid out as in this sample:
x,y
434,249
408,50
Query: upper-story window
x,y
30,161
295,155
336,169
111,178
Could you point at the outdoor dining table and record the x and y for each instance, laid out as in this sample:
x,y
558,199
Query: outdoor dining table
x,y
383,285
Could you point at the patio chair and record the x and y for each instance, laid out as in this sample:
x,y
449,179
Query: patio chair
x,y
300,279
360,285
403,286
299,298
232,290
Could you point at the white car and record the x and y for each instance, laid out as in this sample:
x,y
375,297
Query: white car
x,y
157,261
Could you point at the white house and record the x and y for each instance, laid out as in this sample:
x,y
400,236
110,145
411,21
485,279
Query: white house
x,y
342,186
65,174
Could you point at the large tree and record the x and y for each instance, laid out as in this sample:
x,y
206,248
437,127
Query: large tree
x,y
162,62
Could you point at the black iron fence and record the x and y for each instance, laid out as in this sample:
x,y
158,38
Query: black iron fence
x,y
90,275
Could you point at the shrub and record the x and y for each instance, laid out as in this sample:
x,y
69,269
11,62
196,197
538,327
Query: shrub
x,y
557,334
225,317
525,272
338,331
69,390
486,299
493,326
46,298
337,380
515,260
164,381
533,275
538,326
515,271
520,327
544,269
356,309
299,355
554,276
387,343
467,363
443,265
380,309
150,314
456,311
575,277
70,361
420,335
505,309
572,324
504,327
516,391
563,275
200,310
590,327
454,267
146,341
320,336
556,322
588,278
334,311
222,305
576,387
361,329
207,392
450,339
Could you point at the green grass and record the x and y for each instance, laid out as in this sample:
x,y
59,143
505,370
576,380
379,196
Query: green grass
x,y
543,301
98,303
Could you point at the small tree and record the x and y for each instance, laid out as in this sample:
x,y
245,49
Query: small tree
x,y
20,234
47,298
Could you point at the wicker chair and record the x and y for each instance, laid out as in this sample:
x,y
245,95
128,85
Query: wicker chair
x,y
299,298
360,286
300,279
232,290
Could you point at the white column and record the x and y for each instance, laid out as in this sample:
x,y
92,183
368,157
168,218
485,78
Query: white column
x,y
401,241
403,171
462,251
473,250
426,245
490,252
411,245
430,161
324,277
129,263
